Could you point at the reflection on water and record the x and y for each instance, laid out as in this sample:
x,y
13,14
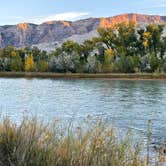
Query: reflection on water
x,y
124,103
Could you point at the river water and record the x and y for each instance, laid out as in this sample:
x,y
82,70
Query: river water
x,y
124,103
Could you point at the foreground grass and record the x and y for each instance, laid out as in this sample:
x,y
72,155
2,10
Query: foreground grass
x,y
32,143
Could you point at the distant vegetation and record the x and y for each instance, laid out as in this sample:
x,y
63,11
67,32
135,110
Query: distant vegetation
x,y
123,48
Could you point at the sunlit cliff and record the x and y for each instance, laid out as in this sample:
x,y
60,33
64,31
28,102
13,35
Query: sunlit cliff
x,y
134,18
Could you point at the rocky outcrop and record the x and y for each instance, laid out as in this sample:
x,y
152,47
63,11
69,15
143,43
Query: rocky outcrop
x,y
54,32
135,18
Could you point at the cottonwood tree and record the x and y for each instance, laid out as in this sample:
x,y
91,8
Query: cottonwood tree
x,y
29,63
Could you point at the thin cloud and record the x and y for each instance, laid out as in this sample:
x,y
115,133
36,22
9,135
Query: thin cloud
x,y
158,3
156,7
68,16
159,6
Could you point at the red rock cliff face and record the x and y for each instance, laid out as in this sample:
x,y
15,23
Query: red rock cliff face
x,y
22,26
134,18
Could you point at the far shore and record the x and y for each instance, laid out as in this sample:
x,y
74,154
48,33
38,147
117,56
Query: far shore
x,y
133,76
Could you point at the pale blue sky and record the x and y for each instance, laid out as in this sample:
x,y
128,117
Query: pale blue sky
x,y
37,11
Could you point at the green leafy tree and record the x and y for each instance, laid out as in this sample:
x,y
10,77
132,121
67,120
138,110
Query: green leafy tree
x,y
42,66
16,63
71,46
154,63
156,31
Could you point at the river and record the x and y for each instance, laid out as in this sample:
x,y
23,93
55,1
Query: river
x,y
124,103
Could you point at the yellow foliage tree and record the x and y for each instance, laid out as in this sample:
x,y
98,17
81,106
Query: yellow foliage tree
x,y
29,63
109,56
13,53
146,37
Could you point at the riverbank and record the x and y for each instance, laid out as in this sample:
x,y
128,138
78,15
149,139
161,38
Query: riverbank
x,y
83,75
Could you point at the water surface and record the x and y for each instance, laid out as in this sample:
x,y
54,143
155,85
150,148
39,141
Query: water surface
x,y
124,103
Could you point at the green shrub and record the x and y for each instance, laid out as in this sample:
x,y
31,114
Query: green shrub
x,y
154,62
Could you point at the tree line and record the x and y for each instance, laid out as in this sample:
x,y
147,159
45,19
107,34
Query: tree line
x,y
123,48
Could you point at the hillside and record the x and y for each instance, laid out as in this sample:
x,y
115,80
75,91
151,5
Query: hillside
x,y
50,34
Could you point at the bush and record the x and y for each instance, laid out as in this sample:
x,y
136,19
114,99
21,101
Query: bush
x,y
154,62
92,65
163,67
43,66
65,62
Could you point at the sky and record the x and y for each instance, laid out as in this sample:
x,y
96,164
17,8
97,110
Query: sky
x,y
39,11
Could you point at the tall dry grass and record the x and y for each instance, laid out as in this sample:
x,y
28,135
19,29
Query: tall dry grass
x,y
33,143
